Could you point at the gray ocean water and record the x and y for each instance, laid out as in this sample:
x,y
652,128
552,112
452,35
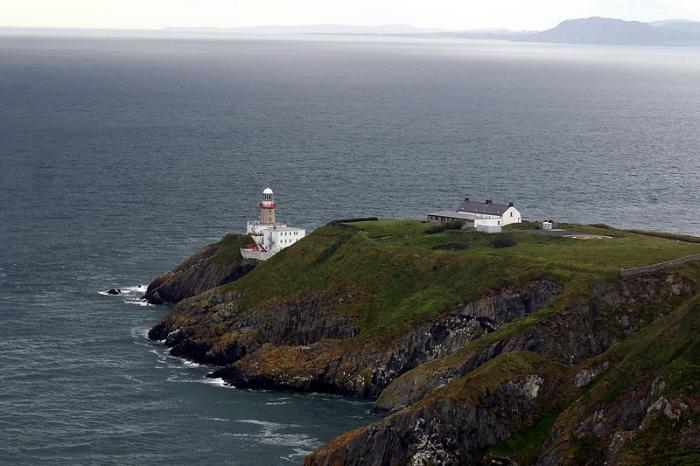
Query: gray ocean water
x,y
119,157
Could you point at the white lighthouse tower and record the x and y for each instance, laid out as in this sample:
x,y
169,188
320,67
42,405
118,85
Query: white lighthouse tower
x,y
269,236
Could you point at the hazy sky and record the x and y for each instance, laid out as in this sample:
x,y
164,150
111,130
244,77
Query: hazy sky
x,y
451,14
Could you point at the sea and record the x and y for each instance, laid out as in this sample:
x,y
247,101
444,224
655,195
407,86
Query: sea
x,y
120,156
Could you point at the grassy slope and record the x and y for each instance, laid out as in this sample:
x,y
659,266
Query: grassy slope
x,y
391,275
230,248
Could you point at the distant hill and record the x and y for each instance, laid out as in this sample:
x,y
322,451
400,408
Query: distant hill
x,y
680,25
389,29
619,32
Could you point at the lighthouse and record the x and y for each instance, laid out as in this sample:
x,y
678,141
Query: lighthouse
x,y
269,237
267,207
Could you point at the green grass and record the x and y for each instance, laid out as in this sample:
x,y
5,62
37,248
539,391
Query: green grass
x,y
230,248
389,275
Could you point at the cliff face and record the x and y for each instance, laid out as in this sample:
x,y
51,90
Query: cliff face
x,y
475,355
211,266
562,368
573,334
361,367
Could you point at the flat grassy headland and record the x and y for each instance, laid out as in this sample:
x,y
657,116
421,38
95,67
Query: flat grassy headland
x,y
402,272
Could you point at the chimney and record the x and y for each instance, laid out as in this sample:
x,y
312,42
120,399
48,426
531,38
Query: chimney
x,y
510,204
488,201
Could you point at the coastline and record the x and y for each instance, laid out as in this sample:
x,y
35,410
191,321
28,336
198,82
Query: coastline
x,y
306,336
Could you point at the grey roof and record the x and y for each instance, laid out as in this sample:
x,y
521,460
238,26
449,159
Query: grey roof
x,y
483,207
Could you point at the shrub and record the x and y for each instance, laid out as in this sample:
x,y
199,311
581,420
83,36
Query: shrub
x,y
454,225
450,247
435,229
504,242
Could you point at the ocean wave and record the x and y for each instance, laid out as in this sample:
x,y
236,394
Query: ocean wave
x,y
141,289
139,302
217,382
139,332
272,433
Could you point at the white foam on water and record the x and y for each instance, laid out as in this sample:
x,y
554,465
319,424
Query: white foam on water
x,y
141,289
190,363
272,433
133,379
139,332
277,403
129,292
217,382
259,423
139,302
294,457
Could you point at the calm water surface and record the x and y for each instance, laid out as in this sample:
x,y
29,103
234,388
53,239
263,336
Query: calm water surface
x,y
119,157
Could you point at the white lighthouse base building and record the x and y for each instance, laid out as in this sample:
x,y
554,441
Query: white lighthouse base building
x,y
269,236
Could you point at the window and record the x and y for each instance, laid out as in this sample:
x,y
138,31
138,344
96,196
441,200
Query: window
x,y
511,214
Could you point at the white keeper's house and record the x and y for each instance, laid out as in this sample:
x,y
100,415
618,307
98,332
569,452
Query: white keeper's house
x,y
269,236
486,216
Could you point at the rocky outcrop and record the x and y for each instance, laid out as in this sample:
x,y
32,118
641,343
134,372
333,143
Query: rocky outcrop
x,y
218,333
448,420
569,336
213,265
506,395
363,368
643,409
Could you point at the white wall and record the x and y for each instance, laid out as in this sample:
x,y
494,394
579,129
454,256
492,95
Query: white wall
x,y
276,240
512,215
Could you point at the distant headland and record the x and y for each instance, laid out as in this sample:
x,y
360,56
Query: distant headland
x,y
594,30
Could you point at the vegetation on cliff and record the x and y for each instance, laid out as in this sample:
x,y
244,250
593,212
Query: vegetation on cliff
x,y
212,266
476,351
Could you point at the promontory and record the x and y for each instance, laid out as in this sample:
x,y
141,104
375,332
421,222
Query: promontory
x,y
522,347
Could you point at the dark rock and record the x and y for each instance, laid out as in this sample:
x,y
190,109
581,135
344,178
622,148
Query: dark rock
x,y
174,338
193,350
114,291
154,298
159,332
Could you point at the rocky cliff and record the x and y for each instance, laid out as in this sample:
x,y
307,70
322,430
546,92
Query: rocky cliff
x,y
481,354
211,266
